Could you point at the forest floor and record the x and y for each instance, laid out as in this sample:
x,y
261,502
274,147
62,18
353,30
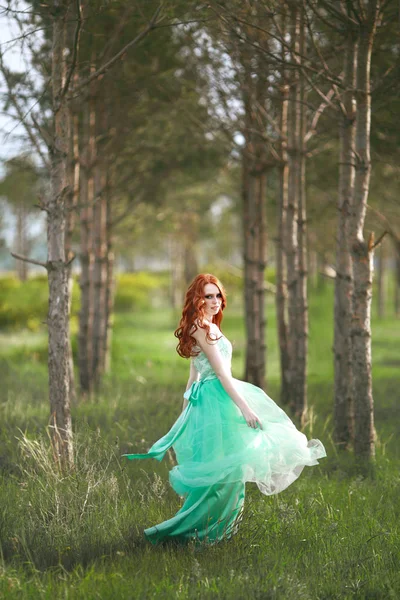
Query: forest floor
x,y
333,534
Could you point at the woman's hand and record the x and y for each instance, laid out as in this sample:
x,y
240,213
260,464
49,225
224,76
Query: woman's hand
x,y
251,418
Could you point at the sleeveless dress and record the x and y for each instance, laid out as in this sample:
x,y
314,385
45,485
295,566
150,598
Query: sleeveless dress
x,y
217,452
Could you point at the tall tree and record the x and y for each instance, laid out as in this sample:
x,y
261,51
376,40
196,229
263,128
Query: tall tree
x,y
296,221
281,296
362,250
343,387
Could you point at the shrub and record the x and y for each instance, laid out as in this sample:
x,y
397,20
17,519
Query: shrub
x,y
23,304
135,290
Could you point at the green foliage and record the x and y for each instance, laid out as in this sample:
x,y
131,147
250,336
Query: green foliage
x,y
134,291
23,305
21,182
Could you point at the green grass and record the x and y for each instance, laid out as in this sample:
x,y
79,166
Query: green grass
x,y
332,535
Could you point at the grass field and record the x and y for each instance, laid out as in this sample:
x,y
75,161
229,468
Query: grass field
x,y
333,534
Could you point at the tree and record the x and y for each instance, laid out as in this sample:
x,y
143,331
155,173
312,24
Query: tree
x,y
343,384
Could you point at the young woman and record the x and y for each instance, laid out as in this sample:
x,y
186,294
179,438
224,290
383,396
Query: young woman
x,y
229,431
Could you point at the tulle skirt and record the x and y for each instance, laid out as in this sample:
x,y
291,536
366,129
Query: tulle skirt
x,y
217,452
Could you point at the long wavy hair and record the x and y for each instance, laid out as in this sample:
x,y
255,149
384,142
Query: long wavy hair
x,y
193,314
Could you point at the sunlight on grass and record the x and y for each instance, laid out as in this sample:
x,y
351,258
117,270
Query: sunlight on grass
x,y
332,534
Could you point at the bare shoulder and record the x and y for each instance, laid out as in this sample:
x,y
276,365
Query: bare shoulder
x,y
200,334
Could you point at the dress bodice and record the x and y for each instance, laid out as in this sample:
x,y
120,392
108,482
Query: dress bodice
x,y
202,364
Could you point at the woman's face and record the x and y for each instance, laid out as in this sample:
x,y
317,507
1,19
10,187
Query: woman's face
x,y
212,300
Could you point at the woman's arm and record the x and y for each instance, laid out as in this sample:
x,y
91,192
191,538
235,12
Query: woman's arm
x,y
224,375
193,376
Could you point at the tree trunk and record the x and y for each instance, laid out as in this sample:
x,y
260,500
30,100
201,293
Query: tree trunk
x,y
396,243
381,281
299,391
73,197
176,270
254,216
254,223
190,234
110,284
21,241
362,251
281,295
85,337
99,274
292,211
343,403
57,320
313,266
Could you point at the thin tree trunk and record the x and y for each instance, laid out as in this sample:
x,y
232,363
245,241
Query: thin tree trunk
x,y
362,251
381,281
397,278
73,197
281,295
299,391
110,284
176,270
292,212
254,220
343,403
57,320
85,336
254,209
189,234
99,274
21,241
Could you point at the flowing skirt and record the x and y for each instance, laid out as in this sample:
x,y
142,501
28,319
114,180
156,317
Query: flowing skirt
x,y
217,452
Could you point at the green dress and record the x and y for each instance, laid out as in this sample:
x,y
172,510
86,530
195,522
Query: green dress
x,y
217,452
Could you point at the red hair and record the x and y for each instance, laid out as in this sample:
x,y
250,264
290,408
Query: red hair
x,y
193,314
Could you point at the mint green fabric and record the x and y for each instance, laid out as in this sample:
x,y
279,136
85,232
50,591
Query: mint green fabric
x,y
217,452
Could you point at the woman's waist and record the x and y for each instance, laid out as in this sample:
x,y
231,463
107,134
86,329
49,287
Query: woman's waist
x,y
207,377
193,393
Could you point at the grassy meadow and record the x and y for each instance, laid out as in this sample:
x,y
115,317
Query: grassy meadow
x,y
333,534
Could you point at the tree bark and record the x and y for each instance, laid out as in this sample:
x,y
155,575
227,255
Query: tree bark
x,y
176,269
57,321
110,283
299,391
99,274
281,296
21,241
343,402
396,276
397,284
254,223
189,233
73,197
85,336
381,281
362,250
254,218
293,207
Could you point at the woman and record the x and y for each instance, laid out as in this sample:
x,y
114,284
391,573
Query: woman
x,y
229,431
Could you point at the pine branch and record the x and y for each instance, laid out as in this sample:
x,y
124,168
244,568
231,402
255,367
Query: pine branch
x,y
101,70
392,232
20,113
75,49
378,241
32,261
316,117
